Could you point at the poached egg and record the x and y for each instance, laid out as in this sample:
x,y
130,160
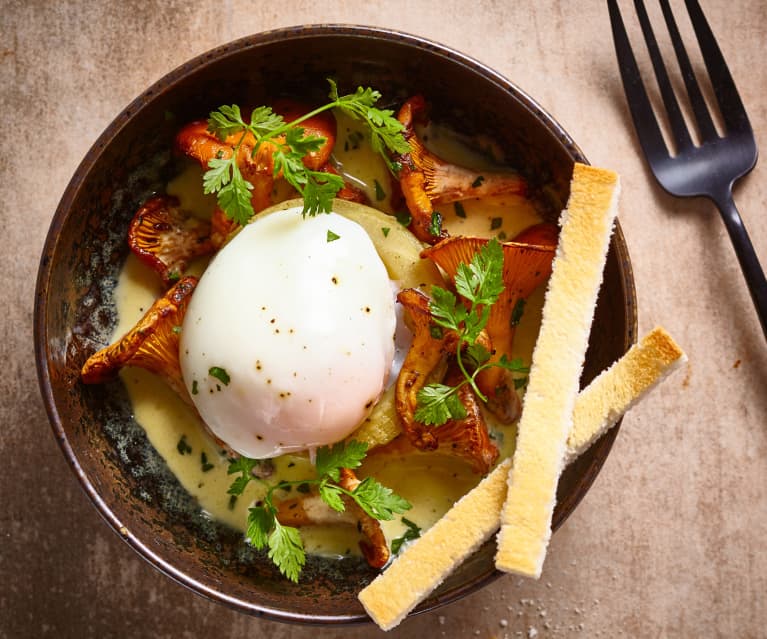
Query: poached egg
x,y
288,340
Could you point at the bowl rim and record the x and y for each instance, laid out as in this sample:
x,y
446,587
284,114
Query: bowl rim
x,y
91,159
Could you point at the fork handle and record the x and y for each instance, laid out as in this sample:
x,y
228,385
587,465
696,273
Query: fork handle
x,y
749,262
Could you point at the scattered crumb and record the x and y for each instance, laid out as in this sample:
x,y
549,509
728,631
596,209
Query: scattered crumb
x,y
532,633
503,623
441,620
687,376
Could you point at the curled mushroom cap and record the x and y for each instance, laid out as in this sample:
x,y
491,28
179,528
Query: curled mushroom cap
x,y
428,350
467,438
311,510
151,344
429,353
525,267
195,141
426,179
166,238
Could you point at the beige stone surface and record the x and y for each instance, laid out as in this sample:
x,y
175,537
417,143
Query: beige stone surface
x,y
670,541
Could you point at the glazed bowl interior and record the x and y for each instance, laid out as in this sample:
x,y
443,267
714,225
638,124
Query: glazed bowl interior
x,y
75,310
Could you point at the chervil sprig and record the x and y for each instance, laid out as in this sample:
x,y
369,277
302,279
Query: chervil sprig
x,y
317,188
480,283
286,549
386,132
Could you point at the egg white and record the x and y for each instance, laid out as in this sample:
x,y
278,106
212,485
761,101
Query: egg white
x,y
299,314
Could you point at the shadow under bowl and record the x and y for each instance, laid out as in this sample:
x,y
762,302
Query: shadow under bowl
x,y
85,249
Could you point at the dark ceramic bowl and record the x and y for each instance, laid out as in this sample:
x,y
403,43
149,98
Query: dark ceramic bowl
x,y
85,249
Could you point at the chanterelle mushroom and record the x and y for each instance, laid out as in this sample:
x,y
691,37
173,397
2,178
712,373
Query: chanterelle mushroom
x,y
430,350
166,238
426,180
151,344
525,267
311,510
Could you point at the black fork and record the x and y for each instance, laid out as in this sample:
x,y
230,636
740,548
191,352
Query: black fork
x,y
710,168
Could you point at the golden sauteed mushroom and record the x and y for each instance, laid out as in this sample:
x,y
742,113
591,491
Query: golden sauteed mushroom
x,y
151,344
311,510
428,354
166,238
426,180
525,267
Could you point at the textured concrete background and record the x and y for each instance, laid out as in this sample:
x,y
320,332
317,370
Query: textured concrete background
x,y
670,542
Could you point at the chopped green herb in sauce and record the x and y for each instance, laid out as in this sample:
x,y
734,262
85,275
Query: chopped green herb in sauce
x,y
380,193
404,218
183,446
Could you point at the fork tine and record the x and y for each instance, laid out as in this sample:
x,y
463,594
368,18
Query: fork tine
x,y
730,105
648,131
676,119
703,117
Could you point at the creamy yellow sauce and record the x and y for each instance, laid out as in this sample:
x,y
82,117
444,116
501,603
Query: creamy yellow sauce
x,y
431,482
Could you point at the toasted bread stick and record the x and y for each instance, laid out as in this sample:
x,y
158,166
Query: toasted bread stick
x,y
546,421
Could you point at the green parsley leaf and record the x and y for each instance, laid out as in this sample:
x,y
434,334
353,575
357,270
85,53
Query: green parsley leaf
x,y
319,191
244,466
459,210
330,460
263,120
218,175
220,374
516,365
412,532
260,522
234,198
331,495
332,237
385,230
286,550
481,282
437,404
478,181
378,501
445,309
496,223
477,355
225,121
